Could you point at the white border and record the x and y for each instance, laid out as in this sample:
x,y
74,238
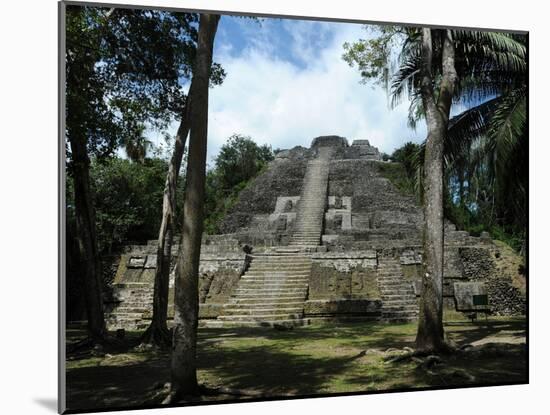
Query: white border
x,y
29,209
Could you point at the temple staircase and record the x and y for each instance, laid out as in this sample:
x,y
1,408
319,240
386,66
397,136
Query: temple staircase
x,y
311,207
133,307
271,293
398,298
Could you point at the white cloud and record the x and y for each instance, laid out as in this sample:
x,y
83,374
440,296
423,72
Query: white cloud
x,y
284,105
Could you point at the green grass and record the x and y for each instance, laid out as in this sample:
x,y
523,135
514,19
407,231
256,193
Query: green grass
x,y
315,359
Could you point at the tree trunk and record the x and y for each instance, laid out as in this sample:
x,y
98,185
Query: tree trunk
x,y
85,219
157,333
430,335
86,238
183,367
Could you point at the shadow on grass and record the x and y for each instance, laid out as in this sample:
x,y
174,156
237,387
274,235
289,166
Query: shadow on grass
x,y
466,332
303,361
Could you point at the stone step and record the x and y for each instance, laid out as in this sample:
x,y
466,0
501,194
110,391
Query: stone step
x,y
280,265
398,316
392,286
267,300
398,311
394,283
255,285
285,262
389,297
282,270
296,290
398,291
393,279
131,309
266,304
261,317
272,279
275,278
263,311
283,265
269,294
268,324
399,303
278,256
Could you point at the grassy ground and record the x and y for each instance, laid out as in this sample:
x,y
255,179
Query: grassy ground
x,y
330,358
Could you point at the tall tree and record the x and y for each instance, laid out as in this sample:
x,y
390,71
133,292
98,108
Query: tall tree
x,y
437,104
157,333
433,67
184,348
115,85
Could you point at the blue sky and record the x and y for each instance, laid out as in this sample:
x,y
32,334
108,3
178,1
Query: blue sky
x,y
286,84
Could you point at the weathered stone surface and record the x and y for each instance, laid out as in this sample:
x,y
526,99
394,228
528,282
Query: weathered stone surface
x,y
210,310
136,261
151,261
345,236
329,141
464,293
342,306
410,257
222,285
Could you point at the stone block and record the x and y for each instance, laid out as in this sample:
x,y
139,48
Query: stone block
x,y
136,261
210,310
151,261
342,306
465,294
410,257
280,224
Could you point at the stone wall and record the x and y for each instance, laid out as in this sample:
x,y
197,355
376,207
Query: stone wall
x,y
223,261
505,298
343,285
283,177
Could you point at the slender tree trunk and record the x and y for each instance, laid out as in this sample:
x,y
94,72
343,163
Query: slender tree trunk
x,y
183,367
86,237
85,221
430,335
157,332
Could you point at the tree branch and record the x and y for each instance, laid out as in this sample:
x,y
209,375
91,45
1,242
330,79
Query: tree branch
x,y
449,77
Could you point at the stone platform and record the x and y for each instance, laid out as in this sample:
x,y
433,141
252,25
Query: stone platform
x,y
321,235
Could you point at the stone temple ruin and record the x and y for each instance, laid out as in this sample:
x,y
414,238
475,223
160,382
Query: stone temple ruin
x,y
321,235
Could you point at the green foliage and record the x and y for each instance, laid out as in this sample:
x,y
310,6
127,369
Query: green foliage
x,y
486,146
407,155
373,56
125,70
239,161
128,200
397,174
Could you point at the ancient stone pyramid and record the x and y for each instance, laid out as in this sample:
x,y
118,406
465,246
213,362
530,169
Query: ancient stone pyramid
x,y
321,235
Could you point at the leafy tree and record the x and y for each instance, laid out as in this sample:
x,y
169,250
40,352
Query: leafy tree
x,y
126,196
433,68
157,333
407,155
186,303
239,160
124,70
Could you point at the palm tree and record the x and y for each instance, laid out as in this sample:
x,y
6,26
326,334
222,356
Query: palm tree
x,y
137,146
434,69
